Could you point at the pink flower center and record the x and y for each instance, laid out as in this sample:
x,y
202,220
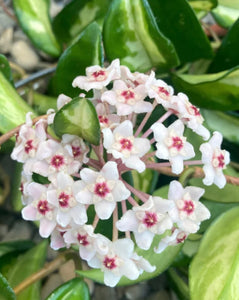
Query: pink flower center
x,y
188,207
177,143
162,90
43,207
150,219
181,237
99,75
110,263
76,151
63,199
126,144
103,119
219,161
21,188
28,146
128,94
194,110
101,189
57,161
82,239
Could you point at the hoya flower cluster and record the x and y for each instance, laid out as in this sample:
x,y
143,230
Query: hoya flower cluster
x,y
83,179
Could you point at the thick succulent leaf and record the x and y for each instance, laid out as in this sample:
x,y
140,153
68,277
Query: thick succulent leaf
x,y
6,292
226,13
205,5
41,103
178,285
12,107
33,17
162,261
14,246
85,52
218,91
130,33
227,124
227,56
214,271
75,16
5,68
78,117
174,18
26,265
229,194
75,289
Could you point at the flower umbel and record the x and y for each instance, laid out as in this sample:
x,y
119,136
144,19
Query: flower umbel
x,y
87,185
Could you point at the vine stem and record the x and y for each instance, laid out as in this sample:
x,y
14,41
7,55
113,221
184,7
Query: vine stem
x,y
15,130
141,195
115,219
46,270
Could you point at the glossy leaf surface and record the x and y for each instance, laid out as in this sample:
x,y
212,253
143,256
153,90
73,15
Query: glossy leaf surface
x,y
162,261
131,34
205,5
78,117
227,124
26,265
214,270
75,16
6,292
85,52
174,18
33,16
218,91
227,56
226,13
75,289
5,68
13,108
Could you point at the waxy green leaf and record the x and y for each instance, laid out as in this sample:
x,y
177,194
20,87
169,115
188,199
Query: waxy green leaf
x,y
13,108
213,273
27,264
174,18
131,34
75,289
227,56
178,284
6,292
33,17
5,68
227,124
226,13
162,261
218,91
85,52
78,117
205,5
75,16
14,246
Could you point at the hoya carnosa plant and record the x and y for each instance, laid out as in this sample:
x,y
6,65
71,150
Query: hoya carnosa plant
x,y
100,139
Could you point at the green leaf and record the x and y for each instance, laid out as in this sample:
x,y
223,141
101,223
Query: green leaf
x,y
145,181
228,124
75,16
218,91
216,209
130,33
26,265
174,18
12,107
5,68
214,270
42,103
227,56
205,5
33,17
85,52
14,246
7,292
78,117
229,194
75,289
226,13
162,261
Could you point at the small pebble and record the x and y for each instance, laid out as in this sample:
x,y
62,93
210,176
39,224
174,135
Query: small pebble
x,y
6,40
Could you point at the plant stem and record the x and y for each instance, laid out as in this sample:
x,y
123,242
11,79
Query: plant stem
x,y
115,219
46,270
